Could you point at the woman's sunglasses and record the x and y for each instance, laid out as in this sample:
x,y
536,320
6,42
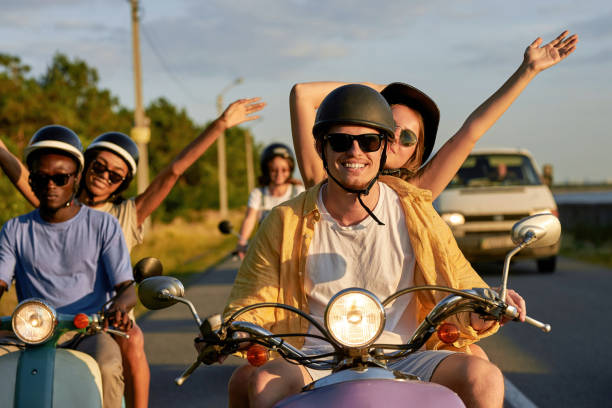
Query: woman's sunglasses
x,y
100,168
407,138
42,179
342,142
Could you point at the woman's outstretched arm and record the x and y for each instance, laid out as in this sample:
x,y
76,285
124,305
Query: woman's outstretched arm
x,y
440,170
18,173
238,112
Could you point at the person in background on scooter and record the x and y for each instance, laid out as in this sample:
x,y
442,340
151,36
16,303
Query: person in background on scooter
x,y
111,162
69,255
417,116
276,186
359,229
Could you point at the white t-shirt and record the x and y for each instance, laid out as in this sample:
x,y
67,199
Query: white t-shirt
x,y
261,200
367,255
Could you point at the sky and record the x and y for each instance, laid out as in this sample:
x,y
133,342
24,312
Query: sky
x,y
459,52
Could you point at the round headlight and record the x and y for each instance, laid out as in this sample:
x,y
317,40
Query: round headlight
x,y
355,317
33,321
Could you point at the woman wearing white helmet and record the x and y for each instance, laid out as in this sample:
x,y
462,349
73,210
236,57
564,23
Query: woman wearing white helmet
x,y
276,185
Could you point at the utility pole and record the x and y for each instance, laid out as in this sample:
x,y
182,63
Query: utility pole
x,y
141,133
221,154
248,151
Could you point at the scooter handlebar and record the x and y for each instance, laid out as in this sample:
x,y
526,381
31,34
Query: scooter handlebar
x,y
513,313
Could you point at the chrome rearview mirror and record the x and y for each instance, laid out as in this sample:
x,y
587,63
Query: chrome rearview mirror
x,y
146,268
159,292
537,231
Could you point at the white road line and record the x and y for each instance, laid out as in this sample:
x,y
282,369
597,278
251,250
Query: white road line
x,y
515,398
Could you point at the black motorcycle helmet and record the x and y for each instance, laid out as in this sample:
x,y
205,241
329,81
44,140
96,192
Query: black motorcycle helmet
x,y
269,153
56,137
119,144
403,94
355,104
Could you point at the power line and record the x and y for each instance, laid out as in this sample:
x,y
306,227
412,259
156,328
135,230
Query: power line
x,y
168,71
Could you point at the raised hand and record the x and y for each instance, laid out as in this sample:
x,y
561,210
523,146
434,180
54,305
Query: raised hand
x,y
242,111
541,57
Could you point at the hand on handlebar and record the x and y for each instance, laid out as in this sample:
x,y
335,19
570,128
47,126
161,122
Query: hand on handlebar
x,y
514,299
241,251
119,318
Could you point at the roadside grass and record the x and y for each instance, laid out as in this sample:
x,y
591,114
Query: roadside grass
x,y
185,248
599,252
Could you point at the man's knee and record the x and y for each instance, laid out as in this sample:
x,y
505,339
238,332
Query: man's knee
x,y
134,346
274,381
477,381
238,386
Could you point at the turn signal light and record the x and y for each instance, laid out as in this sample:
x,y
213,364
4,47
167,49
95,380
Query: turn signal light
x,y
448,333
257,355
80,321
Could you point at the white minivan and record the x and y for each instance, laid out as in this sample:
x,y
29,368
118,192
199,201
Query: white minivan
x,y
492,190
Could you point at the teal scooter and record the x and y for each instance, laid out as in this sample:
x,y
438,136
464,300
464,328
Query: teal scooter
x,y
39,374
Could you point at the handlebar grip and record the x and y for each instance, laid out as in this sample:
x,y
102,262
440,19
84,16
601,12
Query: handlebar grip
x,y
542,326
180,380
118,333
512,313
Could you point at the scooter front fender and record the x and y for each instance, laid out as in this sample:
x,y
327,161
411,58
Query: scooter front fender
x,y
375,393
76,380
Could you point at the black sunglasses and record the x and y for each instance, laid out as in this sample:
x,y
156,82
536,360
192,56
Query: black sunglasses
x,y
42,179
407,137
100,168
341,142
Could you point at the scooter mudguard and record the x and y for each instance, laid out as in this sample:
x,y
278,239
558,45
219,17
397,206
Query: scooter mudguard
x,y
375,393
71,377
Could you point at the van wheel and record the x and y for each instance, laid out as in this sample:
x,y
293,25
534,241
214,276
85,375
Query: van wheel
x,y
547,265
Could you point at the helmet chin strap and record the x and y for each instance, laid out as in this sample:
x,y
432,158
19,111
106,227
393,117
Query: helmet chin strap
x,y
364,191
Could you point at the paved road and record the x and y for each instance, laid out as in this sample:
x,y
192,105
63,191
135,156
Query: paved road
x,y
570,366
560,369
169,335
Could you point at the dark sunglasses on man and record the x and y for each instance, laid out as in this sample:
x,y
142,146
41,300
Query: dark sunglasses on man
x,y
42,180
100,168
342,142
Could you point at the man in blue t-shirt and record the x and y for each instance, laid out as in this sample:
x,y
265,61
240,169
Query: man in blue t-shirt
x,y
69,255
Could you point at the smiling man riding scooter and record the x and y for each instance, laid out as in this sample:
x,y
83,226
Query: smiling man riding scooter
x,y
356,230
73,257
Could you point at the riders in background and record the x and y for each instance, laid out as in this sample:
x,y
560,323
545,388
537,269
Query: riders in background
x,y
111,162
276,186
416,118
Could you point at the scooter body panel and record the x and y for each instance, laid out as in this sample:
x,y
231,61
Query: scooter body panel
x,y
76,380
375,393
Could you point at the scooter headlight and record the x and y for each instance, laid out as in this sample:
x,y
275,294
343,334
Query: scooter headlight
x,y
355,317
34,321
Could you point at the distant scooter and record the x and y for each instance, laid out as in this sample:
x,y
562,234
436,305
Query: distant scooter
x,y
227,228
42,375
354,319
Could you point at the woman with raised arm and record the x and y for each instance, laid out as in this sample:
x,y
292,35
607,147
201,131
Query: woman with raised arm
x,y
417,117
111,161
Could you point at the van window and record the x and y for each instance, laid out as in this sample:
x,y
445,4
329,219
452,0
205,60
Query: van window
x,y
484,170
